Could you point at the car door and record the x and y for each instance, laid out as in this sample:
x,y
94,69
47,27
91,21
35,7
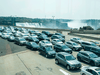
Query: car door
x,y
85,57
59,48
94,50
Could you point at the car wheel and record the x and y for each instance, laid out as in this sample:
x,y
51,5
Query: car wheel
x,y
46,56
79,58
68,67
83,74
92,63
74,49
56,61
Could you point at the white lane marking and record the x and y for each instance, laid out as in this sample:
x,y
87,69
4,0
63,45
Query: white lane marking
x,y
65,73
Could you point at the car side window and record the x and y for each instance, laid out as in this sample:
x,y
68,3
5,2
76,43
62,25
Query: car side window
x,y
92,72
84,54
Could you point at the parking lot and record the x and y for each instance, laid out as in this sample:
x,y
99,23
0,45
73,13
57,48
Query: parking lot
x,y
17,59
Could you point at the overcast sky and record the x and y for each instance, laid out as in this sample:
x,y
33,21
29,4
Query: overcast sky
x,y
67,9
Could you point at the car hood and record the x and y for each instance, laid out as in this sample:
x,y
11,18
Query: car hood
x,y
77,46
73,62
67,49
96,59
52,52
37,46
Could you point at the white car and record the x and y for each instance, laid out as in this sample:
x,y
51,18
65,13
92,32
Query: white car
x,y
45,43
56,41
86,70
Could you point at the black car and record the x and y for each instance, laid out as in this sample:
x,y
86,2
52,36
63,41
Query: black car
x,y
43,37
57,37
33,45
62,48
60,35
34,39
89,57
47,33
20,41
89,46
47,51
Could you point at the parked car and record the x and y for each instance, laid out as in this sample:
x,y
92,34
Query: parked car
x,y
11,38
45,43
89,46
60,35
17,34
74,46
89,57
67,60
47,51
34,39
33,45
97,43
86,70
25,36
56,41
47,33
62,48
43,37
20,41
34,35
5,35
76,39
57,37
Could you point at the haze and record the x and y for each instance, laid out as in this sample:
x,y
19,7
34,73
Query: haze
x,y
63,9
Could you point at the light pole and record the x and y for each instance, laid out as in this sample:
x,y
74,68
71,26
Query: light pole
x,y
53,24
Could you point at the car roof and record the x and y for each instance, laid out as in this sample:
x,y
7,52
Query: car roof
x,y
64,53
87,52
70,41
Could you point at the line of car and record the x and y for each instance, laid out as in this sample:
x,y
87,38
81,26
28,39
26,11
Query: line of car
x,y
54,45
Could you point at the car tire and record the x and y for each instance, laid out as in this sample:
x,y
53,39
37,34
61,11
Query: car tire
x,y
68,67
83,74
74,49
92,63
56,61
79,58
46,56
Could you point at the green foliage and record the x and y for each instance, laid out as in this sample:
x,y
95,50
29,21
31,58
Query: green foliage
x,y
86,28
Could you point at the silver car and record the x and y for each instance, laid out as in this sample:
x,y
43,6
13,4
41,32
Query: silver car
x,y
45,43
86,70
76,39
74,46
56,41
67,60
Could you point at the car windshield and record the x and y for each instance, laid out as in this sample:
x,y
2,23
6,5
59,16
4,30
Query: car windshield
x,y
59,41
70,57
75,44
49,49
78,39
93,44
22,39
45,36
47,42
64,47
93,55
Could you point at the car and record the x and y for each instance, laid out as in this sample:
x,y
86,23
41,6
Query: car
x,y
47,51
5,35
33,45
74,46
17,34
11,38
47,33
86,70
60,35
34,32
25,36
89,46
67,60
45,43
89,57
57,37
62,48
97,43
56,41
76,39
34,35
43,37
20,41
34,39
0,33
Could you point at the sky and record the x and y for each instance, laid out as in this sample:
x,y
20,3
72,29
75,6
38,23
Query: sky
x,y
61,9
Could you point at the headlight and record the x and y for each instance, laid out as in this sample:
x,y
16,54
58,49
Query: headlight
x,y
49,53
